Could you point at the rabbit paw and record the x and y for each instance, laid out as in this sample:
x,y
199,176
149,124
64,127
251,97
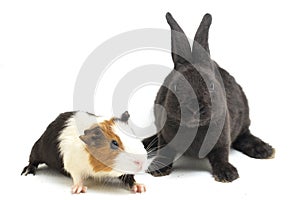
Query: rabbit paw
x,y
262,151
158,173
161,171
253,146
225,173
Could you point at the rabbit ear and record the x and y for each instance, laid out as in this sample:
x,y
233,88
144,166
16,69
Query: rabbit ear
x,y
181,49
201,39
201,35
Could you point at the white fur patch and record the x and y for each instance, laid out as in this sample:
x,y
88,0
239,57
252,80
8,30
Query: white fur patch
x,y
134,157
72,149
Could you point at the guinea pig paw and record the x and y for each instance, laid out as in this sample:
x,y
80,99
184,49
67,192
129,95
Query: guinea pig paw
x,y
138,188
79,188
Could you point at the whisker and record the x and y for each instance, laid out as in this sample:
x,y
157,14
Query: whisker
x,y
151,143
149,150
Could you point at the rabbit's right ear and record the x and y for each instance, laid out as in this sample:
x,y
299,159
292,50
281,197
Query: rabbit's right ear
x,y
181,49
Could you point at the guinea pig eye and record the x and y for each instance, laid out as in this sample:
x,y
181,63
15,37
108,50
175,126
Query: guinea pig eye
x,y
114,144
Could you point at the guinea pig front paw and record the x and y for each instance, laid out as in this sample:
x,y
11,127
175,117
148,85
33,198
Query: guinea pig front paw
x,y
79,188
225,173
138,188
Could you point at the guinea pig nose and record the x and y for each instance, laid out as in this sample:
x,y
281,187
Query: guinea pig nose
x,y
138,163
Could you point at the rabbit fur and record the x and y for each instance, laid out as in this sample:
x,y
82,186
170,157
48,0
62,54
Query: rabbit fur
x,y
200,110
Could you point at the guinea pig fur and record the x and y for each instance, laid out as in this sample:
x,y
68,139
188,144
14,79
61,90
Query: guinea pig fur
x,y
82,145
188,113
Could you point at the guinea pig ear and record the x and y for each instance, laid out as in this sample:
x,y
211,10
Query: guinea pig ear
x,y
200,51
95,130
92,140
125,117
181,49
87,131
93,137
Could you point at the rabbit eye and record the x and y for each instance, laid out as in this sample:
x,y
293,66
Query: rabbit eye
x,y
175,88
114,144
212,86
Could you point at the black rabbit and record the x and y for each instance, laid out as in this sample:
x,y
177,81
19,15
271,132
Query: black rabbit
x,y
205,111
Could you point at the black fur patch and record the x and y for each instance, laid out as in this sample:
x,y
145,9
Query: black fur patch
x,y
128,180
45,150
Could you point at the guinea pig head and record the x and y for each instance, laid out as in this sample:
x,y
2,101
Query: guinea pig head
x,y
112,146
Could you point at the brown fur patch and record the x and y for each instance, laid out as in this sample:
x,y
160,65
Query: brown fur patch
x,y
102,158
106,127
100,166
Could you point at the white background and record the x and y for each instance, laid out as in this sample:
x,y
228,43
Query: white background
x,y
43,46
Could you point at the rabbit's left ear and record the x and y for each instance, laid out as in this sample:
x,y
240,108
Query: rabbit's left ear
x,y
201,40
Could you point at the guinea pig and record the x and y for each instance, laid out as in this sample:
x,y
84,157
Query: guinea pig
x,y
82,145
190,124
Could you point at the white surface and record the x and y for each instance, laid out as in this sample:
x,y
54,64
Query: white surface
x,y
43,45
